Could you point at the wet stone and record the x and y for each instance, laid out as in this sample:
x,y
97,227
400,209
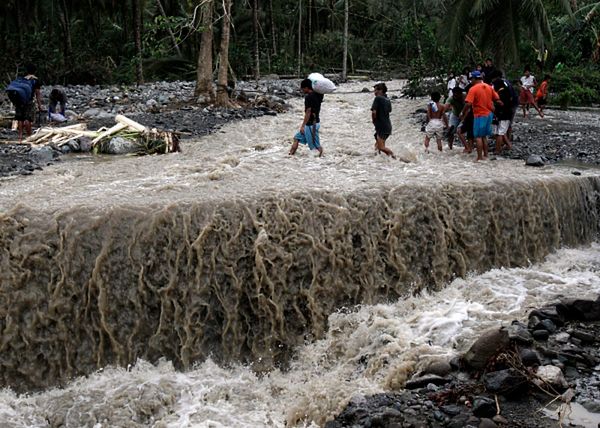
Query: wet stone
x,y
507,382
424,381
489,344
551,313
484,407
562,337
499,419
487,423
519,333
438,416
584,336
535,160
529,357
459,421
541,335
451,409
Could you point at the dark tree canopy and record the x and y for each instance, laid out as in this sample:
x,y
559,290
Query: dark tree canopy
x,y
105,41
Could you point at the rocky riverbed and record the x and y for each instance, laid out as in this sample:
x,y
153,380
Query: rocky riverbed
x,y
532,374
163,105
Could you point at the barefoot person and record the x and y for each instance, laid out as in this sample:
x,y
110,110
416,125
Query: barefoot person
x,y
456,103
309,130
541,96
481,99
528,84
436,121
380,115
21,93
503,113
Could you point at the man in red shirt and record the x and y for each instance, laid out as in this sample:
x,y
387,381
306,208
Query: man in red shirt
x,y
481,99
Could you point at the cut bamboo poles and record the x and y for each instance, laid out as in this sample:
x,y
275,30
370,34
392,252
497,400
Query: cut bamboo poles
x,y
141,139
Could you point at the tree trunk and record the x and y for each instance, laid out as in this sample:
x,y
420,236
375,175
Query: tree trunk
x,y
137,29
171,35
20,29
309,16
417,27
345,56
222,95
273,29
125,17
204,72
299,36
66,24
256,45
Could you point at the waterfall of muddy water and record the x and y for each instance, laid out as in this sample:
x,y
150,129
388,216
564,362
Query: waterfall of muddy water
x,y
368,349
232,250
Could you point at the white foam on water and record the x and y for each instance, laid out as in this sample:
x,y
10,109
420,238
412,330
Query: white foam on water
x,y
368,349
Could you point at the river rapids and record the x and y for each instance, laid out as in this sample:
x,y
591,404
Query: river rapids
x,y
233,285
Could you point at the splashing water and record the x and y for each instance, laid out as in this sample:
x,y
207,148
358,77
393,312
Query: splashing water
x,y
366,350
234,252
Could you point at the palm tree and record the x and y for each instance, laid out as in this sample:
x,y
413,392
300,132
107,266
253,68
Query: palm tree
x,y
500,24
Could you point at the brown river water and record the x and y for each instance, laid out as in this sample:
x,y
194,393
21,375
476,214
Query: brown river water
x,y
207,285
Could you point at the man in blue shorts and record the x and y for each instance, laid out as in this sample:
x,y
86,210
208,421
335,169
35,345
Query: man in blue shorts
x,y
480,100
309,130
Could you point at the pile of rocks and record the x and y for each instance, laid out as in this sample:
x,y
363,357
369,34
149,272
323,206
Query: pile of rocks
x,y
104,102
505,376
22,159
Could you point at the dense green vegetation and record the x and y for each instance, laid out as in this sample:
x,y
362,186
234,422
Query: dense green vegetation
x,y
94,41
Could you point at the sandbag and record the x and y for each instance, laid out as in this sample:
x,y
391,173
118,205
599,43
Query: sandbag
x,y
321,84
57,117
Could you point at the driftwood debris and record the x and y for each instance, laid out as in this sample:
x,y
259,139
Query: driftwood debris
x,y
126,136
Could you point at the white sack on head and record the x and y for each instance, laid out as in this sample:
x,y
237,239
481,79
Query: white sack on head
x,y
321,84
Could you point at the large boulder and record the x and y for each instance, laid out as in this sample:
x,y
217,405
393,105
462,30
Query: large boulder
x,y
552,375
579,309
121,146
490,343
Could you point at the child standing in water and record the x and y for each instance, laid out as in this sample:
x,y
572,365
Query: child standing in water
x,y
380,115
436,121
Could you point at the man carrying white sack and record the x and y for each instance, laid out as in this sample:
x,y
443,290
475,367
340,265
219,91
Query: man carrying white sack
x,y
309,130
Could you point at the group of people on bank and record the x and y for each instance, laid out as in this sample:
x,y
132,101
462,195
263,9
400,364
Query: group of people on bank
x,y
480,104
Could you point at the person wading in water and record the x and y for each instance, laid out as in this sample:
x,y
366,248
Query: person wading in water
x,y
380,115
309,130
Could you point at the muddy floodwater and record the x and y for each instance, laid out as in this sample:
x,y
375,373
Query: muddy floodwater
x,y
233,285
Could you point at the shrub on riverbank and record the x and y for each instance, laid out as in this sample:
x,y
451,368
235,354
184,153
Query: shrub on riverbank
x,y
575,86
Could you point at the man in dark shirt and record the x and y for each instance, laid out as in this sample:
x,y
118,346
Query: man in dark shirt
x,y
488,71
503,112
380,115
25,108
309,130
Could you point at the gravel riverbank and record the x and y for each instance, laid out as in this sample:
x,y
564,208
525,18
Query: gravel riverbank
x,y
163,105
532,374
